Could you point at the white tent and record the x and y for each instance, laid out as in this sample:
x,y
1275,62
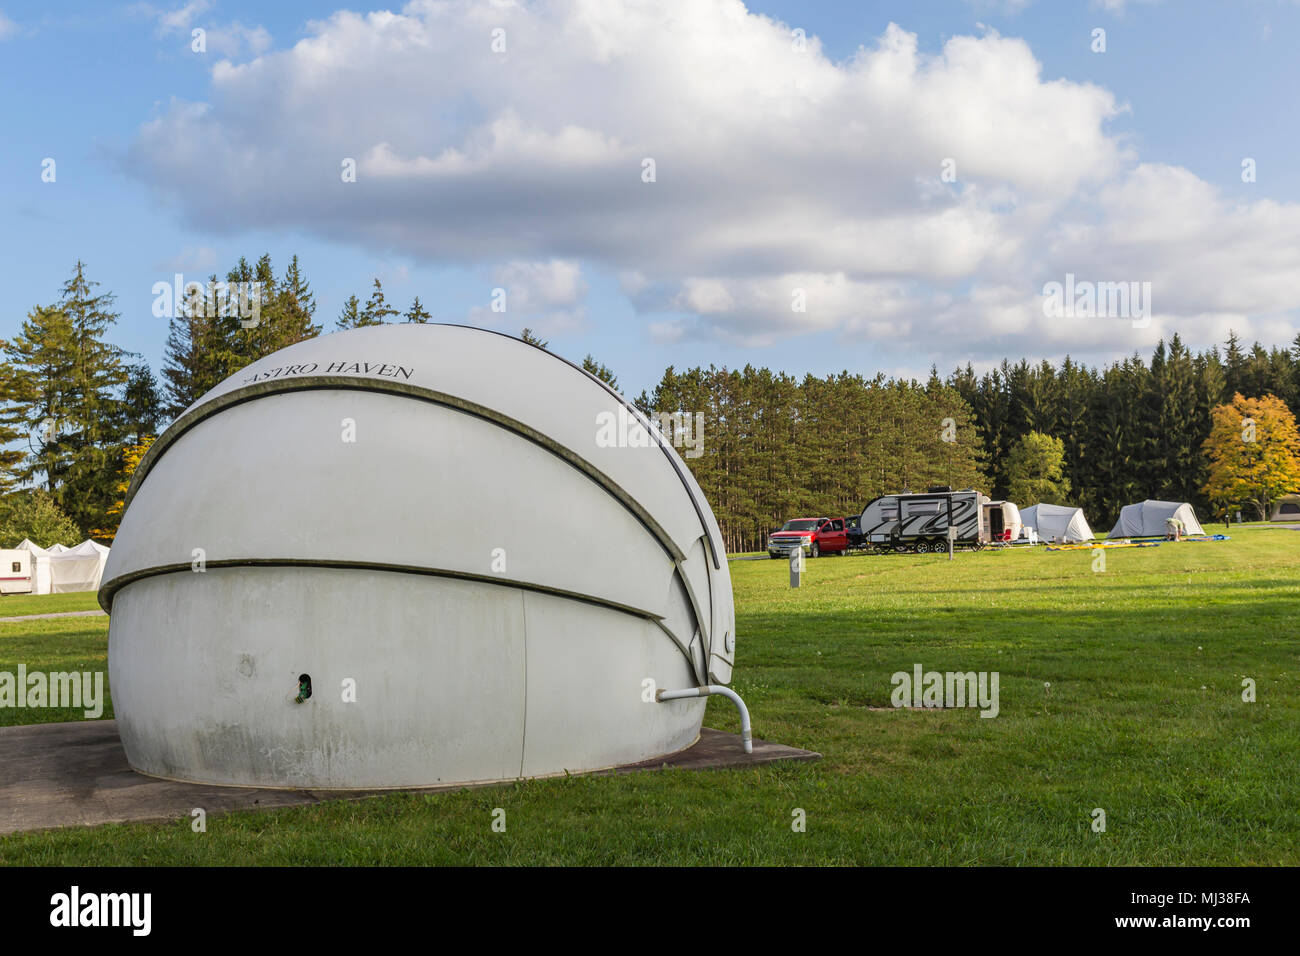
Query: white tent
x,y
1147,519
59,569
1057,523
40,564
77,569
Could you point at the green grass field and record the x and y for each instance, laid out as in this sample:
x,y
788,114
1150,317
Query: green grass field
x,y
1144,719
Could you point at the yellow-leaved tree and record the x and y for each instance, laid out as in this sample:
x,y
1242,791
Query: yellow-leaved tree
x,y
131,456
1254,452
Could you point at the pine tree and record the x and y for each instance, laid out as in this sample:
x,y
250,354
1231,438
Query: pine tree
x,y
417,314
351,316
602,372
377,310
63,385
38,372
289,310
143,404
95,431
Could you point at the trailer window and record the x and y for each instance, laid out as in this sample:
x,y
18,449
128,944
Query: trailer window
x,y
18,567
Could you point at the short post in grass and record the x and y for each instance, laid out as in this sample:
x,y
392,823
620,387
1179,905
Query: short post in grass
x,y
952,538
796,567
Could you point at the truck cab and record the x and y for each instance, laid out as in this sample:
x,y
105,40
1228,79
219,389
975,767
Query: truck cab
x,y
816,536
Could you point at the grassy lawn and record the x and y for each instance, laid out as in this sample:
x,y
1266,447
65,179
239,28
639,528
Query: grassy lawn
x,y
1144,719
13,605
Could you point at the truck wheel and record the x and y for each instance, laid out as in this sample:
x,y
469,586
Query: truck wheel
x,y
814,551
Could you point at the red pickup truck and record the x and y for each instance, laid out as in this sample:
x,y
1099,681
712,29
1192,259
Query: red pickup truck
x,y
815,535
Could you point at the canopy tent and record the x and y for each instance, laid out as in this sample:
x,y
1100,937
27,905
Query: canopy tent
x,y
1057,523
1147,519
40,564
60,570
78,569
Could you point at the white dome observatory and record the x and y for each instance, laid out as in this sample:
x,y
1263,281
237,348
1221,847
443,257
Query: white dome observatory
x,y
428,525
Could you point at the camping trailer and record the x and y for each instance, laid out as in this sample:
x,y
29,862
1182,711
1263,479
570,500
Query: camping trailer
x,y
15,571
920,522
1286,508
1001,522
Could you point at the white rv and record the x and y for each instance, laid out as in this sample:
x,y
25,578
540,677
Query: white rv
x,y
1001,522
15,571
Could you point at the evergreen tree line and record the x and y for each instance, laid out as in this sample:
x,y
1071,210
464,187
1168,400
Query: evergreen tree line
x,y
207,344
1132,430
71,402
77,411
775,447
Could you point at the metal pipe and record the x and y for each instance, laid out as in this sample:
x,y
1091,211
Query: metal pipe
x,y
708,690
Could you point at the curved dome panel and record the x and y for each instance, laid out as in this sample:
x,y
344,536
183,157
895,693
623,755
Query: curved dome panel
x,y
426,506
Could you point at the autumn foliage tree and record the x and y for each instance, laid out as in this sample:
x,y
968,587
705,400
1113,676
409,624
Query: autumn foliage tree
x,y
130,461
1253,451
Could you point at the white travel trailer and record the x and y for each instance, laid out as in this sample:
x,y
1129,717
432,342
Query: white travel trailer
x,y
920,522
373,558
15,571
1001,522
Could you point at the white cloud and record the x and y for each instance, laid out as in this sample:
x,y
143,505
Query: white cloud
x,y
774,168
198,260
7,27
548,296
225,39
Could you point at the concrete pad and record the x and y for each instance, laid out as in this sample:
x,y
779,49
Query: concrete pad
x,y
718,749
76,774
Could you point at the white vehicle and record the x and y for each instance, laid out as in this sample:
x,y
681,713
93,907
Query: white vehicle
x,y
15,571
1001,522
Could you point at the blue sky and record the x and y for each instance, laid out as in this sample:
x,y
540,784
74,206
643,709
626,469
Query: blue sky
x,y
1151,191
